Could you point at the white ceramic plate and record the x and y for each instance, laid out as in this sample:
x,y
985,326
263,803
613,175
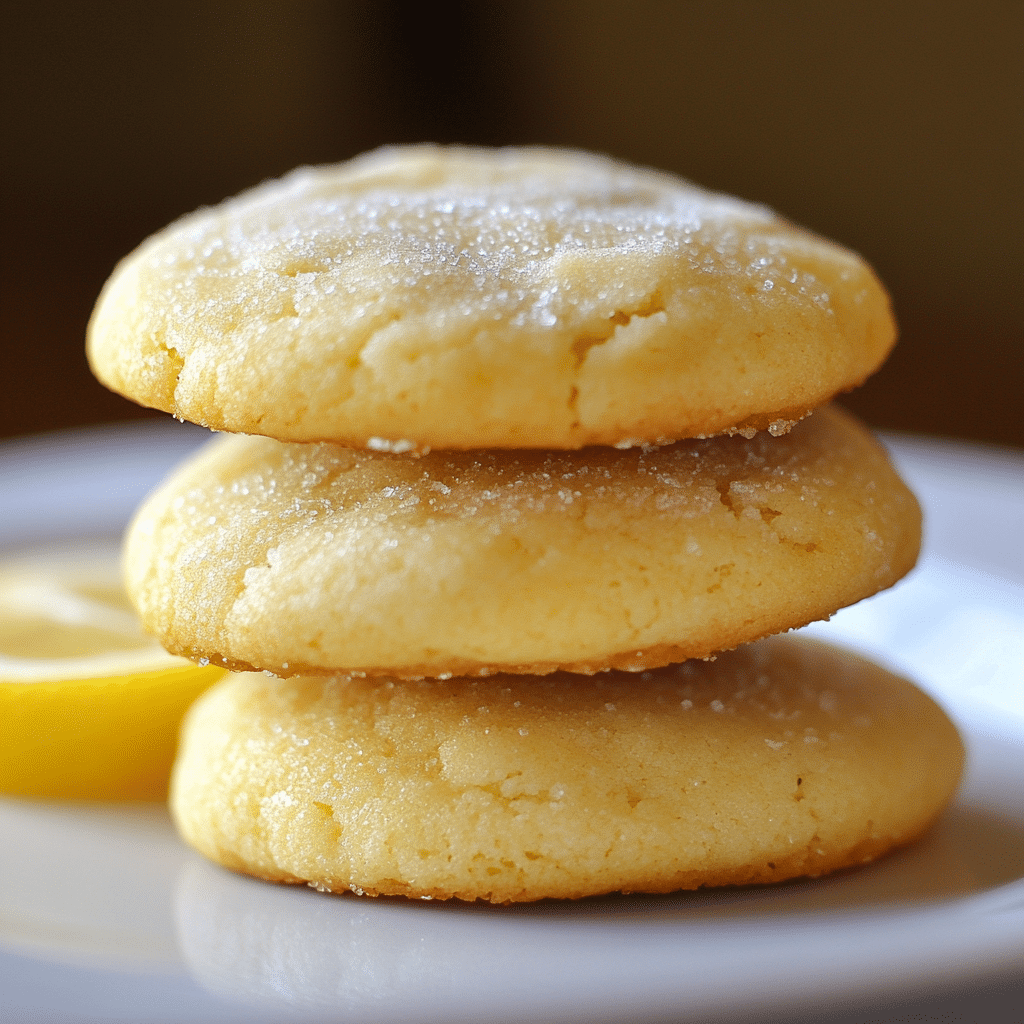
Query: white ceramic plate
x,y
104,915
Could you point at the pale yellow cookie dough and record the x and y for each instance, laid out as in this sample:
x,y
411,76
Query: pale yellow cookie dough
x,y
783,758
462,298
317,558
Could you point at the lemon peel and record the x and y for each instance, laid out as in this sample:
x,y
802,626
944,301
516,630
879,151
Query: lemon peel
x,y
89,704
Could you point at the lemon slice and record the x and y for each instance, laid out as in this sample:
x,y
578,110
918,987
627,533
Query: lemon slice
x,y
89,704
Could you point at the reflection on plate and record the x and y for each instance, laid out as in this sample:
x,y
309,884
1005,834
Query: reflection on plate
x,y
103,913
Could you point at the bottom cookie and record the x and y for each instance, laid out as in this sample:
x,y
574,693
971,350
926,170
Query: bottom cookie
x,y
781,759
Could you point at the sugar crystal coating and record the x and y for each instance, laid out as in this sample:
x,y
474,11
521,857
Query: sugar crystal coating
x,y
460,297
318,558
780,759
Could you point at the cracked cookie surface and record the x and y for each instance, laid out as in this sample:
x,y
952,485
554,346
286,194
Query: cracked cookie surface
x,y
423,296
317,558
781,759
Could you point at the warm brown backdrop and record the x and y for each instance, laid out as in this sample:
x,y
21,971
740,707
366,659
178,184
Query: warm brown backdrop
x,y
896,127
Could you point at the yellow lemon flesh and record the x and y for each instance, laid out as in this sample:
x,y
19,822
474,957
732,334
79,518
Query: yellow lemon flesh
x,y
89,704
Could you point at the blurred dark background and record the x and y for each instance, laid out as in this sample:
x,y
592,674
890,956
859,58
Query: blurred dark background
x,y
895,127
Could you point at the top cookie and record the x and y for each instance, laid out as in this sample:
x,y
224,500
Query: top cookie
x,y
423,297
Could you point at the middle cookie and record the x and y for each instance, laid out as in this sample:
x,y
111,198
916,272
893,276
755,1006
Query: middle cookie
x,y
307,558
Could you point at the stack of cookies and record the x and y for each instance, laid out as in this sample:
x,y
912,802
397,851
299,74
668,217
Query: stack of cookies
x,y
537,436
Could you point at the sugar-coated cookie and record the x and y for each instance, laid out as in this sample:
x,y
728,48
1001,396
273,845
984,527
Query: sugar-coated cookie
x,y
462,298
781,759
316,558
